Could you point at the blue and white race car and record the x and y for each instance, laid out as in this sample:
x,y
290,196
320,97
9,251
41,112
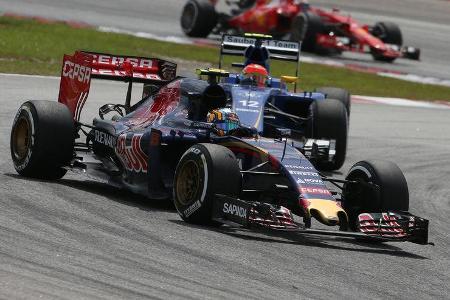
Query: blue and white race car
x,y
265,103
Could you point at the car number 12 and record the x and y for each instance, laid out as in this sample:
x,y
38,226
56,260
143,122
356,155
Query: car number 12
x,y
249,103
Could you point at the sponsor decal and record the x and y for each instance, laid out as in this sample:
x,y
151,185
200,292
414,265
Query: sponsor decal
x,y
235,210
313,181
105,139
75,71
317,191
195,150
198,125
303,173
299,167
193,208
124,73
130,153
141,67
269,43
239,40
246,110
118,60
75,82
282,44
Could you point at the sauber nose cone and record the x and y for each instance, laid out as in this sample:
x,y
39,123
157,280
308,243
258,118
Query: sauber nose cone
x,y
327,212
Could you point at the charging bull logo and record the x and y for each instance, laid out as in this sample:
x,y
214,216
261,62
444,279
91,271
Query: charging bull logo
x,y
130,153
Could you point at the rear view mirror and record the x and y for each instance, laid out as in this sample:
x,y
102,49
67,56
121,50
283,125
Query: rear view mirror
x,y
289,79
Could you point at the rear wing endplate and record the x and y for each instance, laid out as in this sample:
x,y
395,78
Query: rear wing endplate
x,y
78,70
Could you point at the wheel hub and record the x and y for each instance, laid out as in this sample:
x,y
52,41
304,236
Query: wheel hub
x,y
188,183
21,138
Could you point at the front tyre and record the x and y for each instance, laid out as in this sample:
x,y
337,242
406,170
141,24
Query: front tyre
x,y
299,27
314,27
339,94
388,190
389,33
328,120
42,139
203,171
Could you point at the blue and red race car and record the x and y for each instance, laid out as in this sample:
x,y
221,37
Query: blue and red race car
x,y
183,140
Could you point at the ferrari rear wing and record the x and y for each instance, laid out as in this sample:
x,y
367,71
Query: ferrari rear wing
x,y
78,70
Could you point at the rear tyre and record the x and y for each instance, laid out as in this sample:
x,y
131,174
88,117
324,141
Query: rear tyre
x,y
339,94
328,120
389,33
198,18
203,171
391,195
42,139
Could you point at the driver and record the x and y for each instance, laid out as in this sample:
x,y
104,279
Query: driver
x,y
256,74
224,119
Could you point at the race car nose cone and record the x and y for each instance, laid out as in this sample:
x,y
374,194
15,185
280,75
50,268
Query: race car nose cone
x,y
327,212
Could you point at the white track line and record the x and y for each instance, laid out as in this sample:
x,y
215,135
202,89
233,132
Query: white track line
x,y
400,102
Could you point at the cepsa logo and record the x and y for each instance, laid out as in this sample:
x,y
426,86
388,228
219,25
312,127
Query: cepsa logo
x,y
118,60
76,71
131,154
107,65
317,191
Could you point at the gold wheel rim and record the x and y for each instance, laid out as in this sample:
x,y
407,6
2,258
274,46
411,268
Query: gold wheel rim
x,y
21,138
188,182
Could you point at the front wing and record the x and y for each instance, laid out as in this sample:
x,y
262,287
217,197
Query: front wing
x,y
390,226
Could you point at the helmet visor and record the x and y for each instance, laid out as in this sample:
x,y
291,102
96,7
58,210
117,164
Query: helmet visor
x,y
227,125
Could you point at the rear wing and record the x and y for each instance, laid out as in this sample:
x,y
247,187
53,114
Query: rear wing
x,y
78,70
268,49
281,50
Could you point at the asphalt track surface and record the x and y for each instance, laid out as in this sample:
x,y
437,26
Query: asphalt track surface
x,y
424,23
78,238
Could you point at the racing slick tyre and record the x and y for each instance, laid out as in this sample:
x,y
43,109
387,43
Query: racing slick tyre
x,y
388,192
389,33
203,171
314,26
299,27
198,18
42,139
339,94
328,120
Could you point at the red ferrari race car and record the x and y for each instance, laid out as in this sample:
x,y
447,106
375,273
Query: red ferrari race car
x,y
322,31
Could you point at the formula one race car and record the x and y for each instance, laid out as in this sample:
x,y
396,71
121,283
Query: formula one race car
x,y
268,105
322,31
181,140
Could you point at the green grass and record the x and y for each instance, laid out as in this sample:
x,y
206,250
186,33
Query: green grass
x,y
30,47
